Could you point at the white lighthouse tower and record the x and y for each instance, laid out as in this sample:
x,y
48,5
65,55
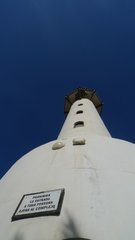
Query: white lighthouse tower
x,y
80,186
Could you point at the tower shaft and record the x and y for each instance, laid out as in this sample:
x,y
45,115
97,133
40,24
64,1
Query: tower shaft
x,y
83,120
77,187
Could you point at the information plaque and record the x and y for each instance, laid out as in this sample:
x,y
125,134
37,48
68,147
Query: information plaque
x,y
39,204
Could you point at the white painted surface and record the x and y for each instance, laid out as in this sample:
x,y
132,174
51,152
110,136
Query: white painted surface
x,y
93,124
99,183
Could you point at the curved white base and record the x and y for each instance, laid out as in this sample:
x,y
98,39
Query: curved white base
x,y
99,182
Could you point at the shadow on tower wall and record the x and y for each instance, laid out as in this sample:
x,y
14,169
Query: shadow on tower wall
x,y
71,229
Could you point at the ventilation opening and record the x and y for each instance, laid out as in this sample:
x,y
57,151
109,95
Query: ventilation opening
x,y
76,239
80,104
79,124
79,112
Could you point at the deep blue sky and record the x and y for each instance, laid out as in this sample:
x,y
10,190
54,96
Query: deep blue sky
x,y
50,47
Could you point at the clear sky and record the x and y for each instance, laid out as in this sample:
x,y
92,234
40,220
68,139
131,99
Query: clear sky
x,y
50,47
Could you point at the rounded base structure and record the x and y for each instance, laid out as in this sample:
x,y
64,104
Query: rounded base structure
x,y
98,179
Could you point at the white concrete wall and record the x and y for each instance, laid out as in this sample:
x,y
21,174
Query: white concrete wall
x,y
99,182
98,178
93,124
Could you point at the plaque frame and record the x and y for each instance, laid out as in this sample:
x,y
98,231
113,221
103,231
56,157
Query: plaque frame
x,y
42,213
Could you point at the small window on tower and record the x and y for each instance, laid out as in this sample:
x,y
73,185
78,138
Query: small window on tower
x,y
80,104
79,112
79,124
76,238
